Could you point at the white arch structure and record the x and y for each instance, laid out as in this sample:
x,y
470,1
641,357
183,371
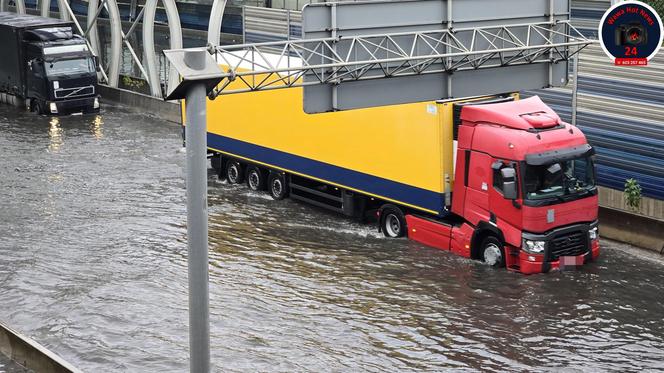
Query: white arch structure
x,y
214,25
175,31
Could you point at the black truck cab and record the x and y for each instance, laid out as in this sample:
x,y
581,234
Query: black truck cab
x,y
51,68
62,75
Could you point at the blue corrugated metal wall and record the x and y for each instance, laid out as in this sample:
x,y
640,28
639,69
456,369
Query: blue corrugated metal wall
x,y
626,148
621,110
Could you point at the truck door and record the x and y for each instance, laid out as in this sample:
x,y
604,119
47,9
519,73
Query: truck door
x,y
477,194
36,80
503,209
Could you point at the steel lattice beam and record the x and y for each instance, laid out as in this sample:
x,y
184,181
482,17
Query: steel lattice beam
x,y
300,63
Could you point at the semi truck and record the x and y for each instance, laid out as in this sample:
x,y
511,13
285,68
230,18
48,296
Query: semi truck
x,y
501,180
47,67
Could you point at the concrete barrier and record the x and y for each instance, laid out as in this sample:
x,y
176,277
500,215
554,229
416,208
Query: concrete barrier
x,y
633,229
141,103
31,355
642,227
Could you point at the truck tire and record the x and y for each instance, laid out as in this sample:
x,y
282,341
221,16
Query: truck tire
x,y
39,107
277,185
492,251
217,165
256,178
392,221
234,172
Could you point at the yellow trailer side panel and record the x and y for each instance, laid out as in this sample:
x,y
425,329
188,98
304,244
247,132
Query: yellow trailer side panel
x,y
400,143
401,153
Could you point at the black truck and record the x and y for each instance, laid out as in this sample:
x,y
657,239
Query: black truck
x,y
45,66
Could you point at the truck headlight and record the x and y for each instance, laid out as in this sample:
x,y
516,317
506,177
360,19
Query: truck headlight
x,y
53,107
593,234
534,247
96,103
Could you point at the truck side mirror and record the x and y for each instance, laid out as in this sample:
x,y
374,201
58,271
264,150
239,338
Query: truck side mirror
x,y
95,60
509,182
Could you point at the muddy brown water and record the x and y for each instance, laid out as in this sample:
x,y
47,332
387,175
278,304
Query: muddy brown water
x,y
93,265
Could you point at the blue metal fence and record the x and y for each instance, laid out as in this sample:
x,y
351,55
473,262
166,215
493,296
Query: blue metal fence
x,y
626,148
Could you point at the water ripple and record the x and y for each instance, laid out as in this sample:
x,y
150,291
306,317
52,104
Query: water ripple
x,y
92,240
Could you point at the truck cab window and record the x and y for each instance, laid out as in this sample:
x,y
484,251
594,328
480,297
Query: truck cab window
x,y
498,176
69,66
37,69
559,179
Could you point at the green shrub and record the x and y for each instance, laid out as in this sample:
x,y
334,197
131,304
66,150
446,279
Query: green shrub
x,y
633,194
130,82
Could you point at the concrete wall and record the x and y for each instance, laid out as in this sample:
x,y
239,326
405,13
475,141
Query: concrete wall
x,y
633,229
169,111
643,227
650,207
30,354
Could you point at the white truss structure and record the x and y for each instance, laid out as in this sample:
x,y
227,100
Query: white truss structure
x,y
299,63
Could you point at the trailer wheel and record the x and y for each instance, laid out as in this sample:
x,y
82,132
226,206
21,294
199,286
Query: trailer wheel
x,y
234,172
493,252
277,185
256,179
392,221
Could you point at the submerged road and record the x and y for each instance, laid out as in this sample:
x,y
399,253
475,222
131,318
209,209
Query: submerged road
x,y
93,266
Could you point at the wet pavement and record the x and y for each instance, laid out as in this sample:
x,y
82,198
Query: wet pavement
x,y
93,266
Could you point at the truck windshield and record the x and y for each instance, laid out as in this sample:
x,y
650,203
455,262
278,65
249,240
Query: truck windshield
x,y
70,66
560,179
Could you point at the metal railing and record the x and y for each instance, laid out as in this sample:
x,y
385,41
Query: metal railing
x,y
336,60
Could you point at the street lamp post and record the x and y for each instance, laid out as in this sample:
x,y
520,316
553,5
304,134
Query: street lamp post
x,y
200,74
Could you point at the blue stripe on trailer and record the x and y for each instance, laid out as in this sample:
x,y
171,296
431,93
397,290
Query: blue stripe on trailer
x,y
391,190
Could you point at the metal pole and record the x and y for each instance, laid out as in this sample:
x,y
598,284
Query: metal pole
x,y
244,26
288,21
133,5
93,23
575,86
197,225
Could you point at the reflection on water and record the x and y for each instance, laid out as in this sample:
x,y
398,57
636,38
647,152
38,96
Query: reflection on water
x,y
96,127
93,265
56,131
55,135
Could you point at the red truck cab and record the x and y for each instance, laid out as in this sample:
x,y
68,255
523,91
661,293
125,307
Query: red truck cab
x,y
524,194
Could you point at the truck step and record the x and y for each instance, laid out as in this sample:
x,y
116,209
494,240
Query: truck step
x,y
315,203
315,192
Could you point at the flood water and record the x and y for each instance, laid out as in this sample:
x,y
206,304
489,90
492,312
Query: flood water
x,y
93,266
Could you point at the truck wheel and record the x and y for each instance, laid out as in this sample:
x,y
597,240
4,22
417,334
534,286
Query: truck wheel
x,y
234,172
39,107
493,252
277,185
217,165
392,221
256,178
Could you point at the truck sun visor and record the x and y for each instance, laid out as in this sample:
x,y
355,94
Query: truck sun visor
x,y
539,159
63,49
48,34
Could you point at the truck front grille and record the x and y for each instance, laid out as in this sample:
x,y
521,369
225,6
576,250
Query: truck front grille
x,y
74,92
568,244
